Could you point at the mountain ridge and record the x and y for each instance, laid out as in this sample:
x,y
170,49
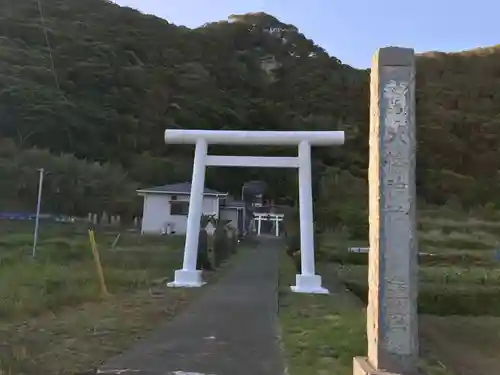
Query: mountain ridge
x,y
121,77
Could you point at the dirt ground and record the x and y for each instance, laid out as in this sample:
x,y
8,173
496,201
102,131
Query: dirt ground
x,y
463,345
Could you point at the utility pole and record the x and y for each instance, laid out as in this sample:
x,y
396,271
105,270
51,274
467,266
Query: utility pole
x,y
38,204
244,210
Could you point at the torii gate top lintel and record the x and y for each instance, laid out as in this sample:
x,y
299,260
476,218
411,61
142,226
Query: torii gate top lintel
x,y
253,137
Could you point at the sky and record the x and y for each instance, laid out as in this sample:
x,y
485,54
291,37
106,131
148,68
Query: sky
x,y
352,30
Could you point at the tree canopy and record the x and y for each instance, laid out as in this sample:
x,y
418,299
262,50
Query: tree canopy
x,y
108,80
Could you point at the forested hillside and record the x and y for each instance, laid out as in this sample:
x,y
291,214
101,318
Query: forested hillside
x,y
105,81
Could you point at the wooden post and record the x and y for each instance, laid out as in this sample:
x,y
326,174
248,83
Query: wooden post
x,y
98,266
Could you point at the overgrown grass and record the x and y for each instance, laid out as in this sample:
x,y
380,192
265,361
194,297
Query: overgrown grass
x,y
321,333
458,276
440,275
459,281
458,273
53,319
461,237
63,272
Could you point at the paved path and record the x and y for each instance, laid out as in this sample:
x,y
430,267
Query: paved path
x,y
231,330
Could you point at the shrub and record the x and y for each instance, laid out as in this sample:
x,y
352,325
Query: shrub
x,y
465,260
203,260
343,202
346,257
222,247
232,239
452,300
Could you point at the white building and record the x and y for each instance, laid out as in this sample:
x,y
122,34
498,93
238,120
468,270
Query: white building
x,y
165,208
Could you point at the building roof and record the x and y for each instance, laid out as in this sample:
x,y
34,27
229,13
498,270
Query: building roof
x,y
183,188
232,203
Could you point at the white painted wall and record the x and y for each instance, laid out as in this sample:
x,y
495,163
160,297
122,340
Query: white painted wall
x,y
156,212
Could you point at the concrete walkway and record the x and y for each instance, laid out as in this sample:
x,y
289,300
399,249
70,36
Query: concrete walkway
x,y
231,330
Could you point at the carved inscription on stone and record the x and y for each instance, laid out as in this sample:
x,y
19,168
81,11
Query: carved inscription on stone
x,y
396,122
397,205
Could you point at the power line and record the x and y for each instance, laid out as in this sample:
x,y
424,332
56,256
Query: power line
x,y
8,14
53,65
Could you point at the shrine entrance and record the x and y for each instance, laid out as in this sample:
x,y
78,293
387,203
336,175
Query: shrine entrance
x,y
260,218
305,282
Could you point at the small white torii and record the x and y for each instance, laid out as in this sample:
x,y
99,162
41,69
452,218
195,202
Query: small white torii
x,y
305,282
277,218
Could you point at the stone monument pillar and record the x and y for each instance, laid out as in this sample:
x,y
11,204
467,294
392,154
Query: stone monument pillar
x,y
104,218
393,280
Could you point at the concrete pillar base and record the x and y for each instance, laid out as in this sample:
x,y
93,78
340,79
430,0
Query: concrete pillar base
x,y
308,284
361,366
186,279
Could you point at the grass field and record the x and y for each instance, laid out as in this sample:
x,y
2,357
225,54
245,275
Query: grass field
x,y
63,273
53,319
320,333
458,273
458,302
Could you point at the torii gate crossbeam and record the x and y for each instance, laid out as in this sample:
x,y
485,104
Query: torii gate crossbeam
x,y
305,282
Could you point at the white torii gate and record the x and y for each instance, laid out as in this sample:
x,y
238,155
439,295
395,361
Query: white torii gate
x,y
264,216
307,281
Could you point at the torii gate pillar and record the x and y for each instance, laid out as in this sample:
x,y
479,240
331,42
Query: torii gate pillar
x,y
307,281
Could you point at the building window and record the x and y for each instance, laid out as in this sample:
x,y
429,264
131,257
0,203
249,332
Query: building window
x,y
179,208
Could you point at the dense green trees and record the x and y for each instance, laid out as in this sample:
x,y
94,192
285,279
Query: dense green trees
x,y
118,78
71,186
